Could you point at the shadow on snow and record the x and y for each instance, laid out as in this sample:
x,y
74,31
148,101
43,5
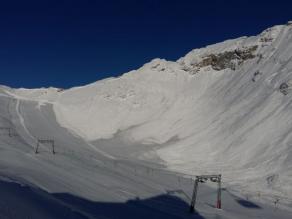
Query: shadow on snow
x,y
23,202
247,204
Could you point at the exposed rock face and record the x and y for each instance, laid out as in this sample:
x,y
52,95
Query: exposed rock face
x,y
228,59
219,61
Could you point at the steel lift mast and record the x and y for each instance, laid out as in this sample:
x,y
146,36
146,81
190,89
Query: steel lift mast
x,y
203,179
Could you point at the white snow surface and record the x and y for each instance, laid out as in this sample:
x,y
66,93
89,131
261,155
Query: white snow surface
x,y
193,120
222,120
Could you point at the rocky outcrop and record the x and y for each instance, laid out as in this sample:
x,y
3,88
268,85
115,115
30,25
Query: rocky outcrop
x,y
228,59
286,87
256,76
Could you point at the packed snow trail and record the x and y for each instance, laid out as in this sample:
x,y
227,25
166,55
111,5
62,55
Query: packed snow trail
x,y
22,120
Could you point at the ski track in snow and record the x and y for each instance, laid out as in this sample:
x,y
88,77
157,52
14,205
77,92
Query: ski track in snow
x,y
21,119
100,151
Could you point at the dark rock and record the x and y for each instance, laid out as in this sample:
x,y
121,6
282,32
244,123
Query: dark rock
x,y
256,76
229,59
284,88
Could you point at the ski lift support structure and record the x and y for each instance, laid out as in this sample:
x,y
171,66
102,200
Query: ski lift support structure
x,y
203,179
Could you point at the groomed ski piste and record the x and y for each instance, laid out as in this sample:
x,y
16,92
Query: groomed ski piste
x,y
130,147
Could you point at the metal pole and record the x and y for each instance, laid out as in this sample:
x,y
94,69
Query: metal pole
x,y
53,145
194,197
36,150
219,193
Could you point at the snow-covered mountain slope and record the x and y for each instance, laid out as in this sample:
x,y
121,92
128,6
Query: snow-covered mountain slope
x,y
223,109
80,181
220,109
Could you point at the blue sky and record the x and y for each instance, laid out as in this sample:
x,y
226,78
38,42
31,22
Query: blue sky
x,y
65,43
